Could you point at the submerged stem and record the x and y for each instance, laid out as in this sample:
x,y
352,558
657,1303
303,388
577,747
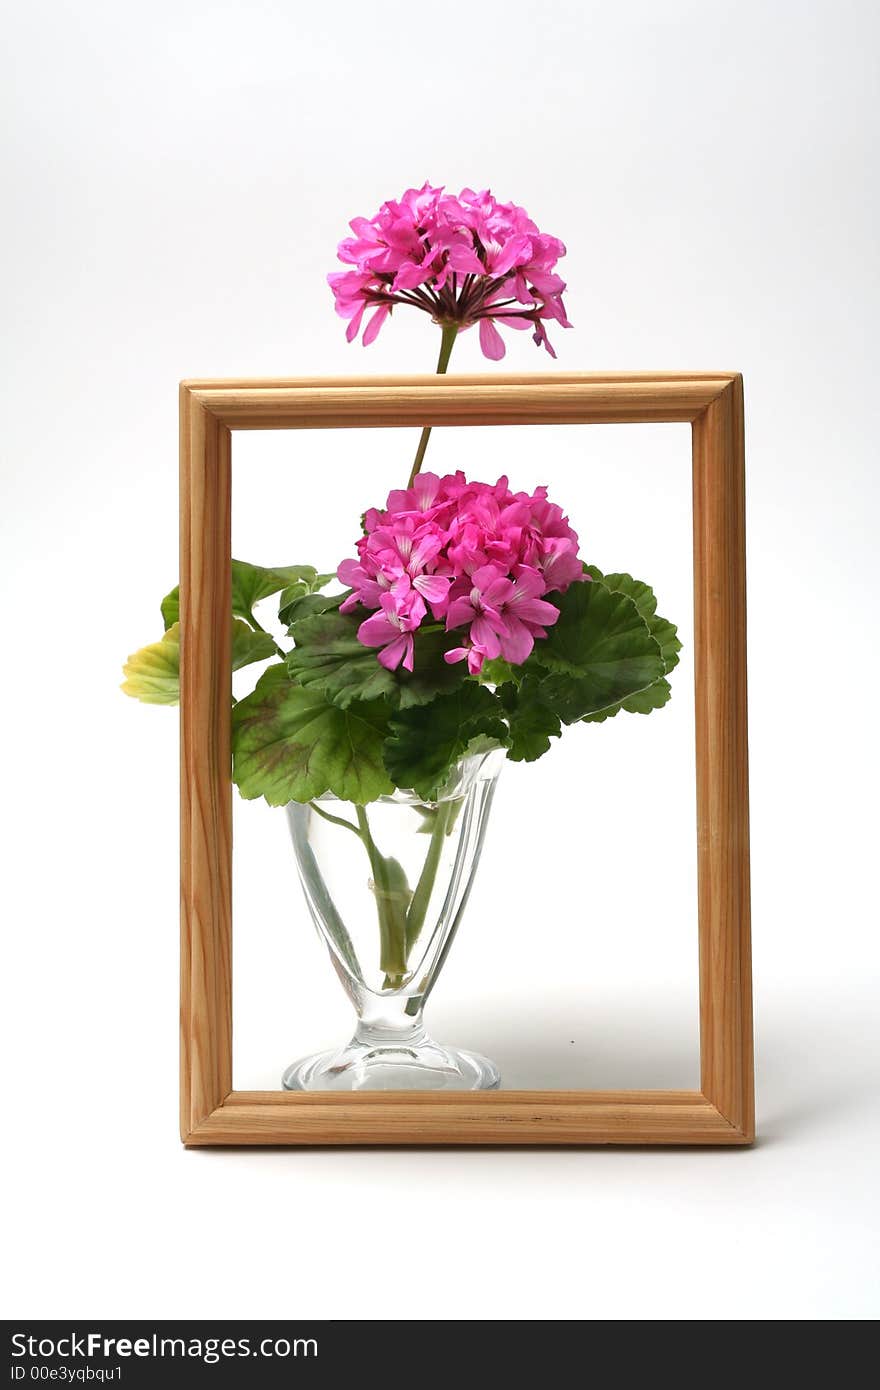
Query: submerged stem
x,y
392,895
415,917
450,332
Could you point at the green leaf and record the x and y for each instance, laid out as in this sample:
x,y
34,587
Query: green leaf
x,y
532,723
293,744
153,673
291,595
170,607
250,583
249,646
328,656
599,653
430,675
654,697
296,603
427,739
664,632
497,672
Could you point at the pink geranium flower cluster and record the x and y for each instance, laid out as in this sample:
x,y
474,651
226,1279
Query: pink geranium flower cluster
x,y
475,557
462,259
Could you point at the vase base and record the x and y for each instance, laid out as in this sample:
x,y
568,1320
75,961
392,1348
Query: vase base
x,y
424,1066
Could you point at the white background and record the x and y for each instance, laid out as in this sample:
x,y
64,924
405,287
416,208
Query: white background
x,y
176,177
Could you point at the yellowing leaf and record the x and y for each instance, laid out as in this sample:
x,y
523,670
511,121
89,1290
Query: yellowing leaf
x,y
153,673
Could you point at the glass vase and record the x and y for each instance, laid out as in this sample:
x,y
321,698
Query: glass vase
x,y
387,886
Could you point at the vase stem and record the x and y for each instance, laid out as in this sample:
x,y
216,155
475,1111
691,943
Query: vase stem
x,y
383,1020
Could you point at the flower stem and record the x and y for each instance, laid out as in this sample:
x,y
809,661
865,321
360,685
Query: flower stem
x,y
335,820
415,917
392,895
258,627
450,332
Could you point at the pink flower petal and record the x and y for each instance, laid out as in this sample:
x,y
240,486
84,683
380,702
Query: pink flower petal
x,y
517,644
400,586
530,583
372,329
426,486
401,649
433,587
491,341
376,630
562,567
485,636
517,250
535,610
486,576
425,547
461,611
545,283
410,275
499,592
513,320
350,573
353,328
455,654
464,261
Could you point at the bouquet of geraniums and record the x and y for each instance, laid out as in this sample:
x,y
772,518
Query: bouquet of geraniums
x,y
468,620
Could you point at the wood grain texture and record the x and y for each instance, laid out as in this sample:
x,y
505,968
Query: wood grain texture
x,y
206,789
514,1117
686,380
726,1061
211,1113
579,398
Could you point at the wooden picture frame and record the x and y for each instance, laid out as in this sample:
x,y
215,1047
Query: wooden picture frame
x,y
211,1112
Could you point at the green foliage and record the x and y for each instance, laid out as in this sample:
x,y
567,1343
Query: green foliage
x,y
664,633
645,702
170,607
251,583
430,675
497,671
532,723
327,656
427,739
331,718
294,605
293,744
600,652
609,651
